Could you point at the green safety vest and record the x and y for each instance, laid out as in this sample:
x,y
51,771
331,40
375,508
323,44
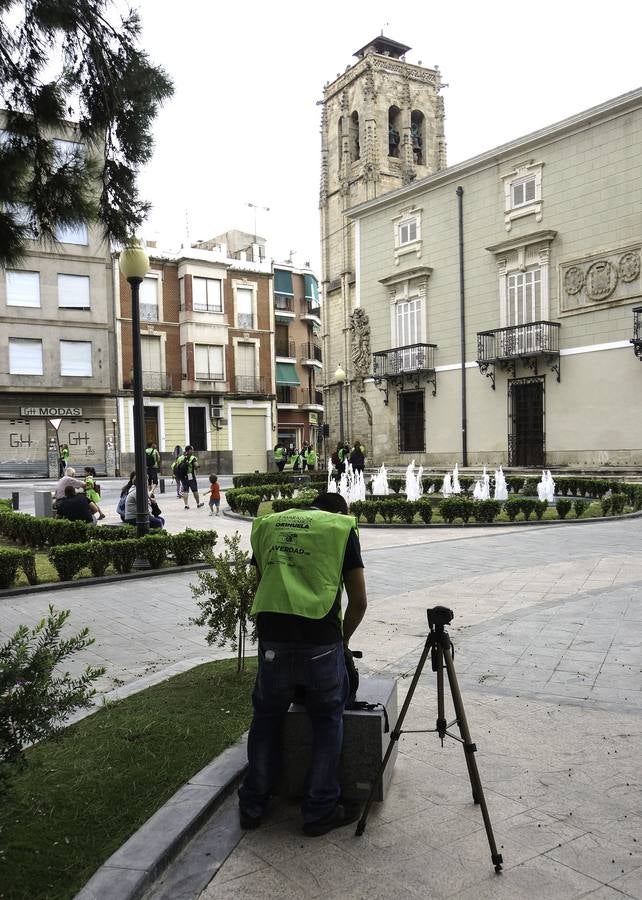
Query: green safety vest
x,y
311,457
64,453
279,453
300,554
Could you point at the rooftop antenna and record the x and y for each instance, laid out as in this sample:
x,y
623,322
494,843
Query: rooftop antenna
x,y
187,227
255,207
383,26
290,255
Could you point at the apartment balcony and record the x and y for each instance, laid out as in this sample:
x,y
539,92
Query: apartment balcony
x,y
204,383
534,344
636,340
312,400
153,382
310,354
249,384
312,313
285,349
407,365
284,309
294,397
148,312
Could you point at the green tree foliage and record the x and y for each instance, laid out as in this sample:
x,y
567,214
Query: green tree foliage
x,y
35,700
69,70
225,596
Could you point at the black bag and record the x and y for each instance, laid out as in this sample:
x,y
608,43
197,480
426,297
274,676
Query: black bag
x,y
182,470
156,510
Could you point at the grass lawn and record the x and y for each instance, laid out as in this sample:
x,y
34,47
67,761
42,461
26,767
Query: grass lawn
x,y
82,795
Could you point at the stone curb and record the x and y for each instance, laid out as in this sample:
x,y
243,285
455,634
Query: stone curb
x,y
134,868
428,527
93,582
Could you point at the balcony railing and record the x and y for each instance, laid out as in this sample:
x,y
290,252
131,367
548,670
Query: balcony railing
x,y
249,384
636,340
312,398
285,348
283,303
157,381
148,312
287,394
504,346
310,350
209,376
207,307
244,320
415,358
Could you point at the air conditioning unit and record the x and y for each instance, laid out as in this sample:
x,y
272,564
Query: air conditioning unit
x,y
216,408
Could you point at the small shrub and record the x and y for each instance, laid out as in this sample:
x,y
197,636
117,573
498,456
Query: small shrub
x,y
424,508
248,503
618,502
466,482
356,509
456,508
388,509
189,546
28,566
512,507
10,562
527,505
225,595
486,510
155,547
580,507
123,554
563,507
303,500
98,557
395,483
113,533
406,510
540,508
251,479
68,560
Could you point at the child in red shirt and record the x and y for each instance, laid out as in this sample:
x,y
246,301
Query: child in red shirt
x,y
215,495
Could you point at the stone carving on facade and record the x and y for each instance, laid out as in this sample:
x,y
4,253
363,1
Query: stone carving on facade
x,y
573,280
360,345
601,280
629,266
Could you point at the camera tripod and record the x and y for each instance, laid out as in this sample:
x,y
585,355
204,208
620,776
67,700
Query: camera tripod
x,y
441,652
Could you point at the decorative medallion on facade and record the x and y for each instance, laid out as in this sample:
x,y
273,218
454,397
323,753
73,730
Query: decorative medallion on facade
x,y
360,344
629,266
573,280
601,280
610,277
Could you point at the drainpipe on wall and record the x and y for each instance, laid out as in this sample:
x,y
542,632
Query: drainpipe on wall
x,y
462,325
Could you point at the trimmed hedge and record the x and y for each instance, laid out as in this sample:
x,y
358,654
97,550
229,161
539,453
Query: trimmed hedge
x,y
303,500
11,560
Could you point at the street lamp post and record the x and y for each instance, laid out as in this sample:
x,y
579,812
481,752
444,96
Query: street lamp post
x,y
134,264
340,377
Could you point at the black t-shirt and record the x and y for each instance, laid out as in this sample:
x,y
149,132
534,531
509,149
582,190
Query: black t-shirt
x,y
74,508
283,628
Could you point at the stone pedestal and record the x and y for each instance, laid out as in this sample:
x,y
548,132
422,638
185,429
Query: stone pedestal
x,y
365,742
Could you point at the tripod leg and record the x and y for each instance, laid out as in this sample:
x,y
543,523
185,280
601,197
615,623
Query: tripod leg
x,y
471,762
395,734
438,667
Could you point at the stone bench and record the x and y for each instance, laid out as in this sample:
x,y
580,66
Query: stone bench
x,y
365,742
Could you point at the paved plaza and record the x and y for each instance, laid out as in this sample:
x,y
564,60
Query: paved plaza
x,y
548,629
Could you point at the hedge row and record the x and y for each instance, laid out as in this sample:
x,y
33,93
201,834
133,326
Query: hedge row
x,y
11,560
186,547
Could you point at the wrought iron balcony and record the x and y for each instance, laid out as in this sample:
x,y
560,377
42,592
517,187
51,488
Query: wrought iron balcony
x,y
291,395
160,382
148,312
406,364
310,352
285,348
249,384
283,303
311,398
529,343
244,320
636,340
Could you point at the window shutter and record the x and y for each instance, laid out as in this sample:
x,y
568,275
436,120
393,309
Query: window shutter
x,y
529,190
23,288
149,290
216,363
73,292
25,357
75,358
201,361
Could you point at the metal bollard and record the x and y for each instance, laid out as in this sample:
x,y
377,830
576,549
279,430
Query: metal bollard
x,y
161,484
15,500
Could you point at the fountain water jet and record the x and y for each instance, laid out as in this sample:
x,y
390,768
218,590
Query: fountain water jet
x,y
546,487
414,487
501,490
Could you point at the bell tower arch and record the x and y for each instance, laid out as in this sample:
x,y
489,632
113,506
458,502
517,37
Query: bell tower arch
x,y
382,126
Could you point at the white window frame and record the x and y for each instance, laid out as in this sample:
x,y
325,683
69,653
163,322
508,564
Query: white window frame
x,y
216,376
77,234
74,280
16,368
523,174
150,311
213,308
522,259
524,296
28,277
410,314
249,286
88,372
402,224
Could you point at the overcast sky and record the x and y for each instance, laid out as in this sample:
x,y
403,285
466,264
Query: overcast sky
x,y
243,125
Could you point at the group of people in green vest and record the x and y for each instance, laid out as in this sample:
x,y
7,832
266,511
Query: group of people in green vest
x,y
305,458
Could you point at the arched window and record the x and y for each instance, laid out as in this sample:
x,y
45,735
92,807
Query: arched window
x,y
355,150
394,131
418,136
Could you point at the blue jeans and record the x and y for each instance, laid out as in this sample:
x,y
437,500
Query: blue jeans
x,y
321,671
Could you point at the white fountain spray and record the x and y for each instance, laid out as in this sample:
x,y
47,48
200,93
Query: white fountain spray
x,y
447,485
546,487
501,490
456,484
481,491
414,487
380,483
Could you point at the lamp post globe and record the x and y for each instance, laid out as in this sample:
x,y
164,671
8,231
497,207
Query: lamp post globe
x,y
134,264
340,375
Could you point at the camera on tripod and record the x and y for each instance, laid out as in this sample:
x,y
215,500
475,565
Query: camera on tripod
x,y
439,616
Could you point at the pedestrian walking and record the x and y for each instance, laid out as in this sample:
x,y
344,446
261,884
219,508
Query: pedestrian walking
x,y
63,460
153,460
215,495
280,456
92,489
178,451
357,459
311,458
185,468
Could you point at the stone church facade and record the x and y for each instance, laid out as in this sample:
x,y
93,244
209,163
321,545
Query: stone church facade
x,y
382,128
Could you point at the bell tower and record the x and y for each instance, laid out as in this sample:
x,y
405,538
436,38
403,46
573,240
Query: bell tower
x,y
382,126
